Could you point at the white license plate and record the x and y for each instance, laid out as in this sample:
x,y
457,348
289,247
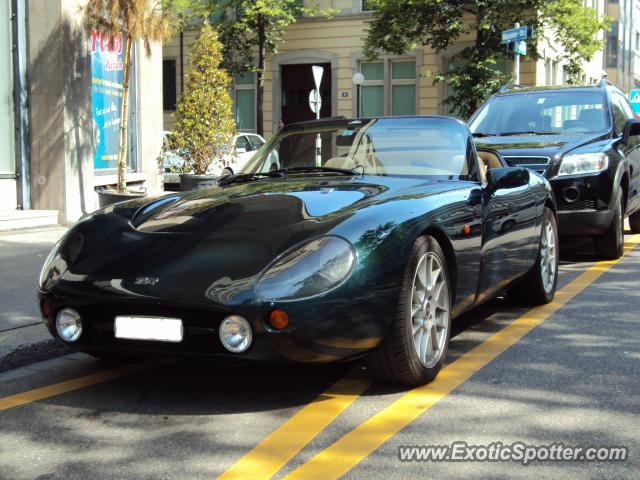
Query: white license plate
x,y
149,328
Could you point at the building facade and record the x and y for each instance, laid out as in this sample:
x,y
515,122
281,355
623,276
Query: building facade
x,y
53,135
394,84
622,59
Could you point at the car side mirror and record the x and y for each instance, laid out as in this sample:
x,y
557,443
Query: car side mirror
x,y
241,150
510,177
631,129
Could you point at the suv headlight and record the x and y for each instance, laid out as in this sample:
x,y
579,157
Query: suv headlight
x,y
311,269
583,163
61,256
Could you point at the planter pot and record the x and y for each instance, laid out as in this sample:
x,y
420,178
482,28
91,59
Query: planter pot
x,y
189,181
109,197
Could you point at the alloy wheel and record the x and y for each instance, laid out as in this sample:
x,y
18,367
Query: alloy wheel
x,y
548,253
430,310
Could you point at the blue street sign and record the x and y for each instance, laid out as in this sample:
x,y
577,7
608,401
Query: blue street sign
x,y
515,34
634,98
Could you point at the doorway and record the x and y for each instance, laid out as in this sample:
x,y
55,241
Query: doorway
x,y
297,82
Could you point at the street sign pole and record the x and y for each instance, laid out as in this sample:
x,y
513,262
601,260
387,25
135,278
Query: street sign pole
x,y
317,78
516,37
516,62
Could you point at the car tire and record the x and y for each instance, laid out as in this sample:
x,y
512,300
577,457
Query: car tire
x,y
415,348
610,244
538,286
634,222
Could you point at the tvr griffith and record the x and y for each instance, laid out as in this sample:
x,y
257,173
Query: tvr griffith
x,y
339,239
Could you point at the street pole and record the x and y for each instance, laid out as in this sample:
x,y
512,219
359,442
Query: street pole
x,y
516,61
317,79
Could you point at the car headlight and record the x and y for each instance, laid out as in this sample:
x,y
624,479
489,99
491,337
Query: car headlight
x,y
61,256
311,269
583,163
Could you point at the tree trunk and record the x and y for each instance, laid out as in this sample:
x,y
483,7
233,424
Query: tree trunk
x,y
261,60
122,152
181,62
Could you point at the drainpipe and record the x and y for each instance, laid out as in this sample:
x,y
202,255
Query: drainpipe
x,y
20,102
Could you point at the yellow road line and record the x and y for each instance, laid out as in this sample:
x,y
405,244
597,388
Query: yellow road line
x,y
348,451
75,384
279,447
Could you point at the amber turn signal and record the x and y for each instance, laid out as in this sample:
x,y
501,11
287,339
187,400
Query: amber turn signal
x,y
278,319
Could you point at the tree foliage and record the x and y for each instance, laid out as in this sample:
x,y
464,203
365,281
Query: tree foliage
x,y
474,72
251,31
205,126
146,20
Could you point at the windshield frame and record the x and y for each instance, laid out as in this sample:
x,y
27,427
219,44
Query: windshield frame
x,y
257,161
547,92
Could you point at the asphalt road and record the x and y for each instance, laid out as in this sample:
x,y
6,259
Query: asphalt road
x,y
566,373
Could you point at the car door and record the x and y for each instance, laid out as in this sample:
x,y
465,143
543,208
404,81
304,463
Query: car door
x,y
510,237
623,112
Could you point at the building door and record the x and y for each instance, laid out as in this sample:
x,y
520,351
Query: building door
x,y
297,82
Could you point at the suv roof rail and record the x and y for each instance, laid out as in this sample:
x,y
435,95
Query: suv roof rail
x,y
509,86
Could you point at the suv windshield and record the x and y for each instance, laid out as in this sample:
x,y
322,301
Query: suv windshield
x,y
562,112
408,146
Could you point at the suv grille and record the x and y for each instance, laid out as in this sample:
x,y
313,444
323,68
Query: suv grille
x,y
528,160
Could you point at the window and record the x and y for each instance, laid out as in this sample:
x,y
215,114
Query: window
x,y
612,46
242,144
621,111
245,102
389,88
169,94
562,112
372,91
366,6
408,146
256,141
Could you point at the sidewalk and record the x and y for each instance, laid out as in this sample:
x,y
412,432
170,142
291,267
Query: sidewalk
x,y
23,336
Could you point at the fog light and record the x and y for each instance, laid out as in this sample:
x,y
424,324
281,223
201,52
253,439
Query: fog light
x,y
235,334
278,319
69,324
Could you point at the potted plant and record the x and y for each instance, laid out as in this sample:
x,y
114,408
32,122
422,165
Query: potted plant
x,y
205,126
146,20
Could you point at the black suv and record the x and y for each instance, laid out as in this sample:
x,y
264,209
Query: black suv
x,y
585,140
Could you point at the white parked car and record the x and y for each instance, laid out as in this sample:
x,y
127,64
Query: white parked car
x,y
243,148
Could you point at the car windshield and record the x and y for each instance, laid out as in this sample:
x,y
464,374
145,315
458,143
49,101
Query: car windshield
x,y
545,112
402,146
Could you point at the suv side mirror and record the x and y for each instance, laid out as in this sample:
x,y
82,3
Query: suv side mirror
x,y
510,177
631,129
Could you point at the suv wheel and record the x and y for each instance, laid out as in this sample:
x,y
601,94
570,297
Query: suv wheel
x,y
609,245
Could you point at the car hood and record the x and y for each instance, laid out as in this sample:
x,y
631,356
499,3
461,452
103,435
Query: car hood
x,y
221,238
534,145
259,206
